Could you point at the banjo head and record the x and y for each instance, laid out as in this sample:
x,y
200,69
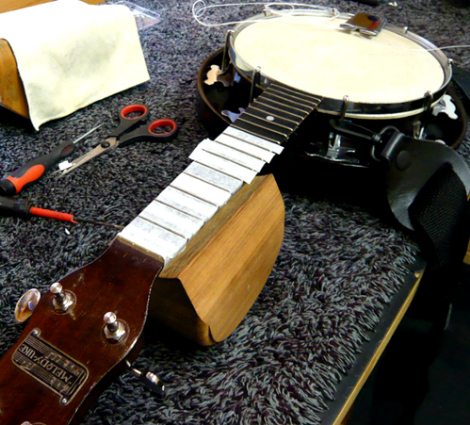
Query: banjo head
x,y
391,75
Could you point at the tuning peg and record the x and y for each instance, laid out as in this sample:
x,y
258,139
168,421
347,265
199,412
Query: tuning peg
x,y
62,299
114,329
149,379
26,305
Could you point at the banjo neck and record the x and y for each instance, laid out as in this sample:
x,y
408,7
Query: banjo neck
x,y
219,170
88,327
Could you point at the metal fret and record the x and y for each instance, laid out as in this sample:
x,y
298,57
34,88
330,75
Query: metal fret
x,y
297,92
223,165
289,103
260,102
265,119
275,115
233,155
308,104
253,139
171,219
214,177
248,121
201,189
187,203
245,127
266,115
280,104
153,238
248,148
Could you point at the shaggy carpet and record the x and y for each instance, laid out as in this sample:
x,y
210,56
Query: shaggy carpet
x,y
340,263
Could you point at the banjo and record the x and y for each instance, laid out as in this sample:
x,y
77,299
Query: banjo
x,y
394,78
196,259
388,75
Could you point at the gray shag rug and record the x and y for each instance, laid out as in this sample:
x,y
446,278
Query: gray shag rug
x,y
339,264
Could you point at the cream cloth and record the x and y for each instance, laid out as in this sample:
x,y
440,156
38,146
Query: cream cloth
x,y
71,54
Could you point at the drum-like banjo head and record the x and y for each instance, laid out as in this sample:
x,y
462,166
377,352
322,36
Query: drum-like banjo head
x,y
388,74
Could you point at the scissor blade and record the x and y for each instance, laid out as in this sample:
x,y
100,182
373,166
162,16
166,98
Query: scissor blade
x,y
107,145
87,133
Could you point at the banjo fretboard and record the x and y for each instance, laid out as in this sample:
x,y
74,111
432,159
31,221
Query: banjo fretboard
x,y
277,113
219,170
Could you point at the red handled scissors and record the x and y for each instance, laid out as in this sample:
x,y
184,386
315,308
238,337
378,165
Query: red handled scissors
x,y
129,130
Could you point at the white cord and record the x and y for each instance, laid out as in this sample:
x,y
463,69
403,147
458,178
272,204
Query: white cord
x,y
286,9
300,8
203,8
200,7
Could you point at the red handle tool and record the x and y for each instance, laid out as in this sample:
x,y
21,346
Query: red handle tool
x,y
34,169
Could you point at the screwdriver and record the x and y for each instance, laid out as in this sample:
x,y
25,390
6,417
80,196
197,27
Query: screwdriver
x,y
36,168
24,209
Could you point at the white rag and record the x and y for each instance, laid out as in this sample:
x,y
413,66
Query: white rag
x,y
71,54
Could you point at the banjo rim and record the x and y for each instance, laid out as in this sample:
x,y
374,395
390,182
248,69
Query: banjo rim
x,y
353,109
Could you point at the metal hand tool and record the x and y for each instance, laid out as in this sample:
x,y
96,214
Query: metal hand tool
x,y
36,168
130,130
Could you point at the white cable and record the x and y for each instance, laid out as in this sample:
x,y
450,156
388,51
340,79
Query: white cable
x,y
200,7
203,7
290,9
304,9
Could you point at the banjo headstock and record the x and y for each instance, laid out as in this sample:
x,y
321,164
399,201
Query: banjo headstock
x,y
81,333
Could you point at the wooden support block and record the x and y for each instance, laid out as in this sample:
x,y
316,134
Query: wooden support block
x,y
12,94
206,290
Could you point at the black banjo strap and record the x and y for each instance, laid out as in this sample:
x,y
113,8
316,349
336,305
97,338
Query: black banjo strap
x,y
440,217
427,187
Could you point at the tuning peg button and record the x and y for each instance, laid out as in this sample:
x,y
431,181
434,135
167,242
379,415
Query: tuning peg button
x,y
114,329
62,299
26,305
